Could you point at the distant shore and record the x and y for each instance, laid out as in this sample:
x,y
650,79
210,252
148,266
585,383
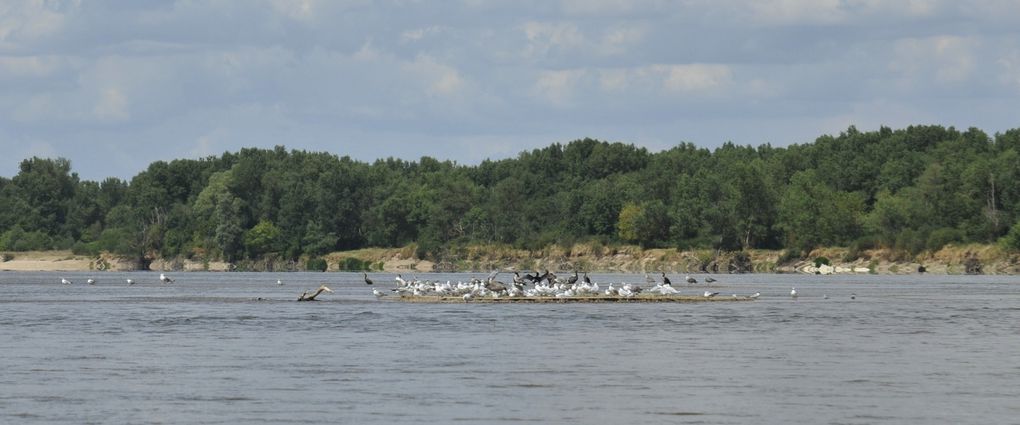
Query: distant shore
x,y
966,259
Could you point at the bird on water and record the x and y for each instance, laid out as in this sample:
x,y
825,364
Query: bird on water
x,y
793,292
165,279
305,297
367,280
65,281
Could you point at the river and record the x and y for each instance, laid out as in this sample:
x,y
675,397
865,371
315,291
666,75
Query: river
x,y
231,348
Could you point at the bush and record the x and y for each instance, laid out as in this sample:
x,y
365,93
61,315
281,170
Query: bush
x,y
316,264
790,255
819,261
354,264
944,236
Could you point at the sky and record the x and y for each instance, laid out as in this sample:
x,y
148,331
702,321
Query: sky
x,y
116,85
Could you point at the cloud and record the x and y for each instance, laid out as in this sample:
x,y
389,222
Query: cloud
x,y
557,87
112,105
943,59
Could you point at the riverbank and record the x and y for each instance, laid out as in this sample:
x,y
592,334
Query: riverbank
x,y
963,259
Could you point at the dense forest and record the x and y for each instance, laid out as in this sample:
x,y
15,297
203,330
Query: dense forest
x,y
913,189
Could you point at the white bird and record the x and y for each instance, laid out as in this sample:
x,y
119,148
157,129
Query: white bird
x,y
793,292
467,297
710,294
378,293
91,281
65,281
165,279
755,295
129,281
279,282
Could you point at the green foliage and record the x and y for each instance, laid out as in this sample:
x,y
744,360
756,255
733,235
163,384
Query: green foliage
x,y
820,261
911,189
354,264
316,264
1012,239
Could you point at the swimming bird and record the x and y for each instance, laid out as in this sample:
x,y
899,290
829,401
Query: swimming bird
x,y
710,294
665,280
755,295
825,297
165,279
691,280
129,281
367,280
853,296
65,281
378,293
793,292
305,297
91,281
279,282
709,279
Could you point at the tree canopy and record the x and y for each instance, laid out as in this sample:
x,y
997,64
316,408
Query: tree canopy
x,y
912,189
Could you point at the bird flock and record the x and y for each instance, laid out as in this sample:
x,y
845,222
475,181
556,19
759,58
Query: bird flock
x,y
537,285
163,278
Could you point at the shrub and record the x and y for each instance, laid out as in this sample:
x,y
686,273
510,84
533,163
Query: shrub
x,y
316,264
819,261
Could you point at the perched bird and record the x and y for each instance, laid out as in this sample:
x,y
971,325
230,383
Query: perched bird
x,y
65,281
91,281
367,280
165,279
586,278
129,281
665,280
710,294
378,293
572,279
691,280
305,297
467,297
755,295
793,292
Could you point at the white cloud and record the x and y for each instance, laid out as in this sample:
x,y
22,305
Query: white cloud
x,y
544,37
557,87
112,105
28,66
944,59
696,77
28,20
439,79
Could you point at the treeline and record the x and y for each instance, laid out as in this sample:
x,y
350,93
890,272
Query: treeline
x,y
913,189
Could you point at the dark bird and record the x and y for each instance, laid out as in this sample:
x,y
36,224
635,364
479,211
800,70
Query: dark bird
x,y
367,280
586,278
709,279
665,280
572,279
691,280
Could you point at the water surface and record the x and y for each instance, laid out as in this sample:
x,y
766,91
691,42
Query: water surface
x,y
235,348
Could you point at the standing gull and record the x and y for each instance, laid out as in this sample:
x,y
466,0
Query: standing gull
x,y
165,279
